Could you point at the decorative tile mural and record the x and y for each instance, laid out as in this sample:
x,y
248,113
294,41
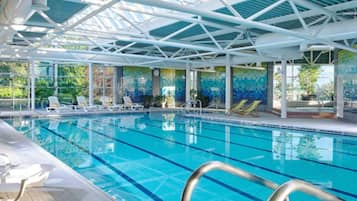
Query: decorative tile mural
x,y
213,84
137,82
172,83
249,84
347,67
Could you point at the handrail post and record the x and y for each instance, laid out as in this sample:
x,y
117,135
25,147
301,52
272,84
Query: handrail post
x,y
216,165
200,102
297,185
281,193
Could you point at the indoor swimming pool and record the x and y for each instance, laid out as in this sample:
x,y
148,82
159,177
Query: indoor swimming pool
x,y
149,156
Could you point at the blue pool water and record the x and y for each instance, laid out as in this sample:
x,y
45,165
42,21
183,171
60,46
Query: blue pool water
x,y
150,156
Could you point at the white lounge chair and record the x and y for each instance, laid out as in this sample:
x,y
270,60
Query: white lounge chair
x,y
83,104
14,179
35,174
106,104
129,104
55,105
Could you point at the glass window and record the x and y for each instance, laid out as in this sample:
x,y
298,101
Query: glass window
x,y
72,82
103,82
44,83
14,86
310,88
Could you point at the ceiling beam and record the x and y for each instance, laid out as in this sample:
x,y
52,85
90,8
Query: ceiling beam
x,y
155,41
181,18
265,10
51,52
313,6
277,20
238,21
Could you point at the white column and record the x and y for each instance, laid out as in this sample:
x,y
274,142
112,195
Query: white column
x,y
55,72
103,81
90,81
194,80
115,85
188,82
33,97
270,88
339,97
228,84
29,85
283,109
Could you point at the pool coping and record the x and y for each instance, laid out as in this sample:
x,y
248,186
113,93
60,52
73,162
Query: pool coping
x,y
50,159
44,114
271,125
210,117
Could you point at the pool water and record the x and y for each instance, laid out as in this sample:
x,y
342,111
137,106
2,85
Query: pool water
x,y
150,156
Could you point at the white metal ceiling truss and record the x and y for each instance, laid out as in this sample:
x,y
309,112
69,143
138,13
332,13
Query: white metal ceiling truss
x,y
119,32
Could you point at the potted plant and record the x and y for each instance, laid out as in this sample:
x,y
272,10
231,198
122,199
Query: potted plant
x,y
159,101
148,100
204,100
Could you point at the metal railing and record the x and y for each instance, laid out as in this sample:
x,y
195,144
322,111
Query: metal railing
x,y
216,165
297,185
188,105
200,104
281,193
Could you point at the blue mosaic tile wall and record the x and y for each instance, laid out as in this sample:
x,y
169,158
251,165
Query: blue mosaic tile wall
x,y
347,67
213,84
137,82
172,82
249,84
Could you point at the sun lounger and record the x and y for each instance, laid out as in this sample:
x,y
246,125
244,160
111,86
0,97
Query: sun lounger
x,y
83,104
239,106
54,105
14,179
251,109
106,104
128,103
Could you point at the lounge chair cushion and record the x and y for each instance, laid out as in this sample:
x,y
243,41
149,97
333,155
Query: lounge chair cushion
x,y
32,172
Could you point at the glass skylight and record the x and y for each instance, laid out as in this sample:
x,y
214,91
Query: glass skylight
x,y
122,15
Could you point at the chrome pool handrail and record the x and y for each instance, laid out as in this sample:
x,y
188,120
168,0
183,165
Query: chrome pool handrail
x,y
200,103
194,102
216,165
291,186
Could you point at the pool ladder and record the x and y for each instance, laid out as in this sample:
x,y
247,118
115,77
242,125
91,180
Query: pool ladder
x,y
188,106
281,193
